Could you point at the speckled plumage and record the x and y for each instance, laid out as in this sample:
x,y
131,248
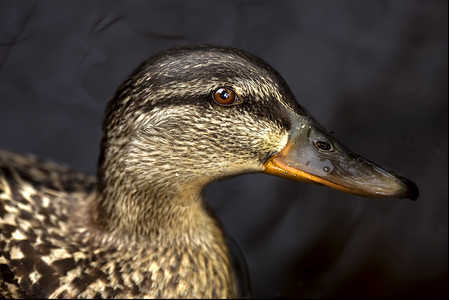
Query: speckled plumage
x,y
143,230
46,252
140,229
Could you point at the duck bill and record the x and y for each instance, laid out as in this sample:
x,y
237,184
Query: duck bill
x,y
312,155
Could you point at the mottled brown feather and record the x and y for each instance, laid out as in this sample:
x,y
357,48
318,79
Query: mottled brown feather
x,y
140,229
44,253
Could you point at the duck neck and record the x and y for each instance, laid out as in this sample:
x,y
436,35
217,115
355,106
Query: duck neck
x,y
163,211
169,221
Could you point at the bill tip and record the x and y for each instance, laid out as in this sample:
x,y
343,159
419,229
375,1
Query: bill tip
x,y
413,191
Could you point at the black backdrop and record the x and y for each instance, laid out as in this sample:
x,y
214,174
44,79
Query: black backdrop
x,y
373,72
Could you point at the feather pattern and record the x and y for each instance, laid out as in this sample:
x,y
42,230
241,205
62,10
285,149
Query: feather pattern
x,y
140,228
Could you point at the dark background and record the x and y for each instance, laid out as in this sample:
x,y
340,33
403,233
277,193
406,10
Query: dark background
x,y
373,72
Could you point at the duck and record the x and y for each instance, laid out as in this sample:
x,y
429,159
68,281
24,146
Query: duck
x,y
186,117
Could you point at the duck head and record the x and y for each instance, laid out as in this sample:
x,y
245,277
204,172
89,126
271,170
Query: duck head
x,y
194,114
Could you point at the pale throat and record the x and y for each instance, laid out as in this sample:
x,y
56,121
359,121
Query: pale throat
x,y
164,210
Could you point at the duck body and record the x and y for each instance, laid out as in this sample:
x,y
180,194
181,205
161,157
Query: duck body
x,y
140,229
50,251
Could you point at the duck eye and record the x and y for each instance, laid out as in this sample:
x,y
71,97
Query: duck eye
x,y
322,145
225,96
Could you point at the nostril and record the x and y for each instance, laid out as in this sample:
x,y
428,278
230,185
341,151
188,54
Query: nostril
x,y
323,145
